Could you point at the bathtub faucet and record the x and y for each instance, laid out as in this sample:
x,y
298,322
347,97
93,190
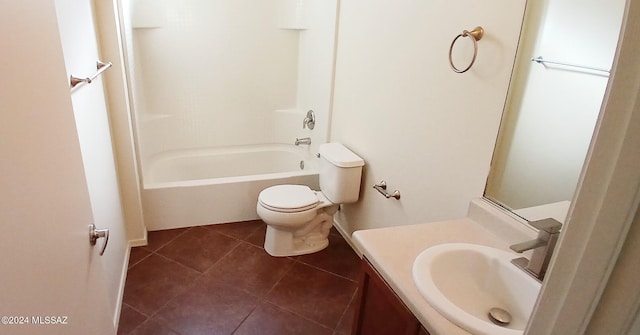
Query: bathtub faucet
x,y
304,140
309,120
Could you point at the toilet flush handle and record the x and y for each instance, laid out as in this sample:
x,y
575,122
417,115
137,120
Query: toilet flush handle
x,y
95,234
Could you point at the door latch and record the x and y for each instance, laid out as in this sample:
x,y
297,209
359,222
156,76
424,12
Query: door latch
x,y
95,234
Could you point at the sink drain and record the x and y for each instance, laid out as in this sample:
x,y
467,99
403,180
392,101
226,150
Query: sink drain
x,y
499,316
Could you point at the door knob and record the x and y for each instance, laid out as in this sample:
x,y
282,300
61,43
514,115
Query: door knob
x,y
95,234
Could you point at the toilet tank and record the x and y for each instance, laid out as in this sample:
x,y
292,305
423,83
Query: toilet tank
x,y
340,173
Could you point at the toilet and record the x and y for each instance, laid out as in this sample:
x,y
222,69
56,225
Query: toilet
x,y
298,218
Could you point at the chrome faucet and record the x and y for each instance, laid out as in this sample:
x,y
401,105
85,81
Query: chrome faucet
x,y
543,245
309,120
304,140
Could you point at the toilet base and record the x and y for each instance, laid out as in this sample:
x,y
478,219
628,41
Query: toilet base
x,y
309,238
298,246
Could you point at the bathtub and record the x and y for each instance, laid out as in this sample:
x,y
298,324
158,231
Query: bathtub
x,y
197,187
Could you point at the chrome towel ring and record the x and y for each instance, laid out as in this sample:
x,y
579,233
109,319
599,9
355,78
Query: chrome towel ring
x,y
475,35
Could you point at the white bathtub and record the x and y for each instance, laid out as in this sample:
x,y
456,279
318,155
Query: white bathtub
x,y
197,187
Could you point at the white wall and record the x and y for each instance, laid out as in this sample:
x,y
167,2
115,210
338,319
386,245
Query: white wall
x,y
554,110
426,130
79,45
116,86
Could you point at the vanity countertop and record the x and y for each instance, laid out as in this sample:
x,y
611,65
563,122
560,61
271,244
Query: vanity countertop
x,y
392,252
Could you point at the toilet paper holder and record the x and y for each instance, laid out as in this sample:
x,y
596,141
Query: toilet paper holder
x,y
381,187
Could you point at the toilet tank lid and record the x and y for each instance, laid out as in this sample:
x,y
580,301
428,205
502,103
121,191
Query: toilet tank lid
x,y
339,155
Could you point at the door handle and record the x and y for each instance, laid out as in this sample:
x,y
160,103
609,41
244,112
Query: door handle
x,y
95,234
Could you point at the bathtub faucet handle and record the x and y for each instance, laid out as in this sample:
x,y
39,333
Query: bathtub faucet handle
x,y
309,120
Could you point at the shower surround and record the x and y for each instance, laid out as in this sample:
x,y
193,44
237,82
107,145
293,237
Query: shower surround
x,y
224,86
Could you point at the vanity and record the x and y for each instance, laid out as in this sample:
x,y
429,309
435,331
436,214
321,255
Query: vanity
x,y
389,300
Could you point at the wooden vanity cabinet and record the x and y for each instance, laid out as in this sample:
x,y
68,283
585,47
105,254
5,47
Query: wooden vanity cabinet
x,y
379,310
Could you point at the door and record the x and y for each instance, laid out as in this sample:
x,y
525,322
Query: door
x,y
51,277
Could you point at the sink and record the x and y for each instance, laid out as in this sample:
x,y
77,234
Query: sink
x,y
463,282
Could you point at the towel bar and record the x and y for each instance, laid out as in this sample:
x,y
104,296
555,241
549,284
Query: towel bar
x,y
540,60
100,66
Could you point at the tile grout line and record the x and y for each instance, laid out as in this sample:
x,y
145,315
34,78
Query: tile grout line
x,y
325,270
298,315
344,313
227,234
263,301
171,240
296,260
193,283
154,251
239,241
130,266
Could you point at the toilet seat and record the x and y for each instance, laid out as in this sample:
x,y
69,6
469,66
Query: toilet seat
x,y
288,198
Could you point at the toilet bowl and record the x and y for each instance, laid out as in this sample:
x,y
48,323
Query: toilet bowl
x,y
298,218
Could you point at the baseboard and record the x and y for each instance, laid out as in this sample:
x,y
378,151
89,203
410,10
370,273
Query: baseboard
x,y
346,236
123,277
139,242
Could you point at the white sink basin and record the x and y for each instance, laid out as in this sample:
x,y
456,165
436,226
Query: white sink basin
x,y
464,281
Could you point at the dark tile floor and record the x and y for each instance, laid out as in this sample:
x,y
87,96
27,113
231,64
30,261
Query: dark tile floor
x,y
218,279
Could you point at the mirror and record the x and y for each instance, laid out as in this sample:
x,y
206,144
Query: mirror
x,y
553,106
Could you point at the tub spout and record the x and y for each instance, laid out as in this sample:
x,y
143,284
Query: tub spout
x,y
304,140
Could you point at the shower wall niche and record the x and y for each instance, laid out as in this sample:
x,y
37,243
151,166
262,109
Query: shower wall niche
x,y
218,73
